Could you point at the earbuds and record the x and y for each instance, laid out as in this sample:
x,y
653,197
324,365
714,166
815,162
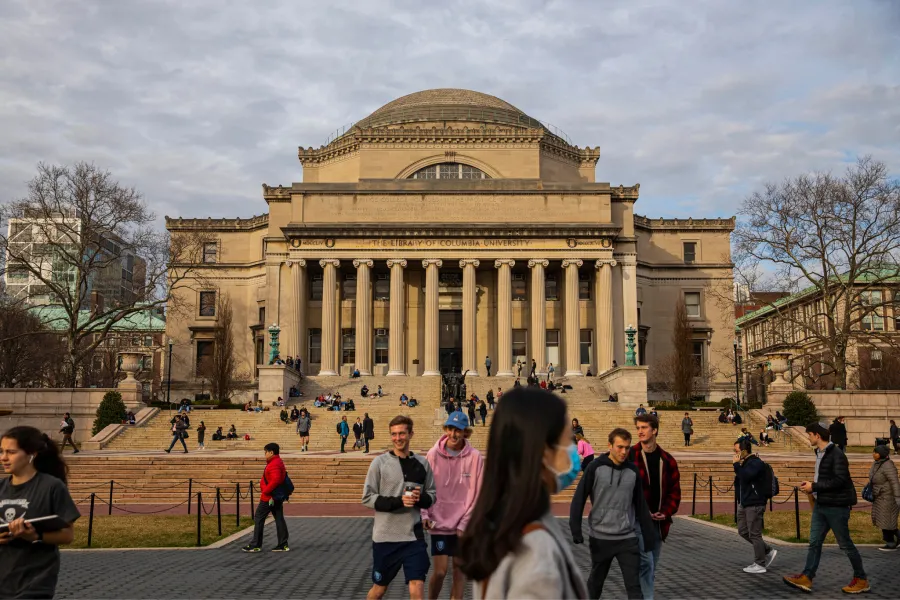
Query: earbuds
x,y
31,458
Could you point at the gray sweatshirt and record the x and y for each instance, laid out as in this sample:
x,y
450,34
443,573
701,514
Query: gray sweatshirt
x,y
383,492
303,424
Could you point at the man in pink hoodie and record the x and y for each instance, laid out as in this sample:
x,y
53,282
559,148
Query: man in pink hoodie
x,y
457,468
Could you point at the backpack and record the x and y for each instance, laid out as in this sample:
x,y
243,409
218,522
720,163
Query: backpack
x,y
284,490
770,482
338,427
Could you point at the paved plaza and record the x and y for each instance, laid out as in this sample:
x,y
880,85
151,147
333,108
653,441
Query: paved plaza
x,y
331,558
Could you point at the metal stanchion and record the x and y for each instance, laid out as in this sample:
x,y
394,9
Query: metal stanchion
x,y
219,508
91,521
111,482
199,514
694,497
237,505
190,493
710,498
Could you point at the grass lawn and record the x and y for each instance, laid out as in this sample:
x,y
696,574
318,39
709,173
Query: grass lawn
x,y
153,531
782,525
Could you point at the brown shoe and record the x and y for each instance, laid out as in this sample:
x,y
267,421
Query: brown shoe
x,y
801,582
857,586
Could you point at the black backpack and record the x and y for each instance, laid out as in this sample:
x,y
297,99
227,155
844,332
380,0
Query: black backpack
x,y
338,427
284,490
770,482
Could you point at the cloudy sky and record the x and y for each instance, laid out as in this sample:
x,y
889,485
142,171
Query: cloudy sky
x,y
198,102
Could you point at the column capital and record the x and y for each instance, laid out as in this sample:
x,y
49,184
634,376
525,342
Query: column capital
x,y
504,261
572,262
432,261
358,262
602,262
329,261
296,262
534,262
469,261
396,261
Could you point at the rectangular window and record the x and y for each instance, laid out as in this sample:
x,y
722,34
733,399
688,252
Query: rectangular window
x,y
875,359
550,288
148,340
315,346
349,286
382,287
348,346
692,304
519,337
586,346
262,315
204,357
552,348
873,319
697,358
584,287
210,251
519,287
260,352
690,252
207,304
381,346
315,288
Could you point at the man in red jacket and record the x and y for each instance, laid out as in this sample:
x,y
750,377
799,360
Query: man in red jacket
x,y
661,484
273,476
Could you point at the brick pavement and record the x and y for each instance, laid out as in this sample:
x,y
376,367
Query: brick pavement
x,y
331,557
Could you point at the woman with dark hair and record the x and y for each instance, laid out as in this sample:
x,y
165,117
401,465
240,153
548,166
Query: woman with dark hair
x,y
512,546
576,429
29,556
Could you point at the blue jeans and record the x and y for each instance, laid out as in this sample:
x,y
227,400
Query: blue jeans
x,y
649,561
836,519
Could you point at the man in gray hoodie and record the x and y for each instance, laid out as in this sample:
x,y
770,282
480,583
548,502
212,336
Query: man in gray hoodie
x,y
398,486
618,515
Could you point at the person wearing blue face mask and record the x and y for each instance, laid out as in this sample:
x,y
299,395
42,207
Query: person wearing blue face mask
x,y
513,547
618,515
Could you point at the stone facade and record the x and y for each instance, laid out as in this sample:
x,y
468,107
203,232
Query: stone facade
x,y
442,228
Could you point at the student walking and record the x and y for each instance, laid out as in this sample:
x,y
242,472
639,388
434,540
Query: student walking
x,y
67,428
618,511
834,493
550,371
457,469
201,436
661,484
585,450
368,431
399,485
687,428
36,482
482,410
178,429
513,546
886,497
487,365
303,426
750,485
274,489
838,432
343,430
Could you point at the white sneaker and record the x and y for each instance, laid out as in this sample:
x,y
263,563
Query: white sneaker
x,y
754,568
770,556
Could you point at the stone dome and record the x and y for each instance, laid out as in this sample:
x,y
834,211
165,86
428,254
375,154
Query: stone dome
x,y
448,104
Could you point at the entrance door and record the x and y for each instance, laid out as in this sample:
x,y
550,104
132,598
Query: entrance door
x,y
450,341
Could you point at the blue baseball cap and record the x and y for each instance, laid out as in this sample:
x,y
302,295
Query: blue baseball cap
x,y
457,419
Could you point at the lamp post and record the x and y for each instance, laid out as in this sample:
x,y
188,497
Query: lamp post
x,y
169,375
737,374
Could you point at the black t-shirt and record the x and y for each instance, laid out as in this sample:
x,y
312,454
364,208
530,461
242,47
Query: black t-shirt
x,y
653,462
27,568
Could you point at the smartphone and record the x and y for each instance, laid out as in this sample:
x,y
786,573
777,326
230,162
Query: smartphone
x,y
409,488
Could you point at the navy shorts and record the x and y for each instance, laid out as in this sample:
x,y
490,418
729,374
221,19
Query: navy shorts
x,y
444,545
388,557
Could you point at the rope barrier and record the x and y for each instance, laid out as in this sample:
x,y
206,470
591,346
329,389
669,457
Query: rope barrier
x,y
721,491
139,512
786,500
151,488
203,508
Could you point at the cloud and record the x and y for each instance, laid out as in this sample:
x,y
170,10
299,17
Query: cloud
x,y
198,103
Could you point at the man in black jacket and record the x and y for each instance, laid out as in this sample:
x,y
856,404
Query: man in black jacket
x,y
833,494
368,431
749,487
838,432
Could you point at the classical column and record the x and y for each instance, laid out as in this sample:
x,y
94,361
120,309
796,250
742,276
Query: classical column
x,y
363,315
470,361
432,325
396,358
504,317
604,334
329,316
629,293
296,347
573,327
538,314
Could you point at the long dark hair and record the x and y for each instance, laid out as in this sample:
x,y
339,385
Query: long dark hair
x,y
47,458
513,492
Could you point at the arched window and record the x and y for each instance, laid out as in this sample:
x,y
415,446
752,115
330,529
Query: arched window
x,y
449,171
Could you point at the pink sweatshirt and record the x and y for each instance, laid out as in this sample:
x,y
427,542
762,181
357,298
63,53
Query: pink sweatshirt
x,y
584,449
457,480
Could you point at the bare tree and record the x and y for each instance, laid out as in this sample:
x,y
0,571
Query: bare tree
x,y
27,347
221,368
684,369
78,231
831,239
